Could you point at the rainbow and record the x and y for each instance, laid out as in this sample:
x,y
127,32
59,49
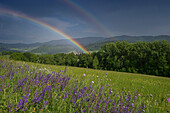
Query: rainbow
x,y
5,11
89,16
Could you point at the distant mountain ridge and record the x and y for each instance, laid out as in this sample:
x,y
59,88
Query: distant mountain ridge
x,y
141,38
82,41
20,45
64,45
97,45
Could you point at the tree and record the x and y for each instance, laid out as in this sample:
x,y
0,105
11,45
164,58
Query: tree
x,y
95,62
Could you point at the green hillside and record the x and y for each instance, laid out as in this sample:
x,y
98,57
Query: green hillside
x,y
147,93
47,49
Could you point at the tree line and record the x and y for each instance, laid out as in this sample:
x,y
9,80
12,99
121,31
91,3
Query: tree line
x,y
151,58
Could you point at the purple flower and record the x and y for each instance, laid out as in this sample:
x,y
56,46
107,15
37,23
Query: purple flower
x,y
168,99
12,74
93,82
138,94
132,104
151,95
84,74
111,91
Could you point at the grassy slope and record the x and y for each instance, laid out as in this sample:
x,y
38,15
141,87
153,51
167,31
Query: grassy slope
x,y
152,84
159,87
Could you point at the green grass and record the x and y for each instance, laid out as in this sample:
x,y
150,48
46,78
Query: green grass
x,y
145,85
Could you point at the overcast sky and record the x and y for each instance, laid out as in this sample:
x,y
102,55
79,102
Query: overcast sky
x,y
83,18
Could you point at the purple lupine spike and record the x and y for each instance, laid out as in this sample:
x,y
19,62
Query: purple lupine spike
x,y
40,97
50,87
36,94
71,91
12,74
19,67
10,106
79,96
22,102
26,99
65,96
87,99
25,109
83,91
98,104
44,104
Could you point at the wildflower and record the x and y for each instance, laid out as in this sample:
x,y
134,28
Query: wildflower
x,y
111,91
132,104
168,99
97,76
84,74
138,94
93,82
106,73
151,95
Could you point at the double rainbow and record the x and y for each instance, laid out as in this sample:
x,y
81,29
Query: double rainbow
x,y
5,11
89,16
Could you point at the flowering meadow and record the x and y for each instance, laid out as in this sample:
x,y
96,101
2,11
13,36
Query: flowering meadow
x,y
30,87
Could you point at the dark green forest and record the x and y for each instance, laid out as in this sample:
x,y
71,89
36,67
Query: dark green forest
x,y
151,58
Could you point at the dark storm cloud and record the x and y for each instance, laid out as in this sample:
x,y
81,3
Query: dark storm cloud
x,y
36,8
120,17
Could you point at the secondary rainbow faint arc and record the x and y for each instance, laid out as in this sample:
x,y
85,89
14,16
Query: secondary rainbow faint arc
x,y
5,11
85,13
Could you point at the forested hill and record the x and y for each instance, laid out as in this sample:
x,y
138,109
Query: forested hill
x,y
141,57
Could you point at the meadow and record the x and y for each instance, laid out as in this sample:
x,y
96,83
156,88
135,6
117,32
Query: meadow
x,y
33,87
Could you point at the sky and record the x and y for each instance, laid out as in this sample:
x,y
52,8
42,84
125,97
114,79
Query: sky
x,y
83,18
